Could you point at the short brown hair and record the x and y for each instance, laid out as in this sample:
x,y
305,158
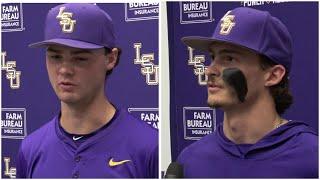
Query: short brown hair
x,y
280,92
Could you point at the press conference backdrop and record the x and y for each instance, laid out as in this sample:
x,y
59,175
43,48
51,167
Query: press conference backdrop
x,y
28,101
190,118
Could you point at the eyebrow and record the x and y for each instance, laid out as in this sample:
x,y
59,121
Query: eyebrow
x,y
50,49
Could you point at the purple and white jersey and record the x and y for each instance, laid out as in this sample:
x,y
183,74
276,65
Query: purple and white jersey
x,y
127,148
290,151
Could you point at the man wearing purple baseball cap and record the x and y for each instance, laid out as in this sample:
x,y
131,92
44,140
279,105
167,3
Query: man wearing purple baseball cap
x,y
89,137
251,53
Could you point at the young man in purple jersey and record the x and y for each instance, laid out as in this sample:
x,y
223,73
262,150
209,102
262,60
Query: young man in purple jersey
x,y
89,137
248,79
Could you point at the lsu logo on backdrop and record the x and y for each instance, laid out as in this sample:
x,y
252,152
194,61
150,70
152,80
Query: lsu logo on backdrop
x,y
66,23
198,122
9,171
148,115
148,68
199,68
13,123
141,11
11,17
195,12
11,73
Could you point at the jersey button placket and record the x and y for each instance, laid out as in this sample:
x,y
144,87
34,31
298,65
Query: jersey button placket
x,y
77,158
75,174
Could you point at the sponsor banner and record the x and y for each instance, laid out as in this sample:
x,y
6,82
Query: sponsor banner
x,y
149,115
11,17
195,12
198,122
141,11
13,123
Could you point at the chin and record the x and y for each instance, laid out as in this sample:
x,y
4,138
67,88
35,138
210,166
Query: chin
x,y
213,103
221,101
68,99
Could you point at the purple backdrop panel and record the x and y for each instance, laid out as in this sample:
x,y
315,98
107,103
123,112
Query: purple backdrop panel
x,y
28,101
187,79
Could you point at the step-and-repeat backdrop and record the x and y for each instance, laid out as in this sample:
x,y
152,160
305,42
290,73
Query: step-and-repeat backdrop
x,y
190,117
28,101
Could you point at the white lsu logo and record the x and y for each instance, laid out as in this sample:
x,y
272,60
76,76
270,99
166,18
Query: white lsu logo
x,y
199,68
11,74
66,22
148,68
9,171
227,23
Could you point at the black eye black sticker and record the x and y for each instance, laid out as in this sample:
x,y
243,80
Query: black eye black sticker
x,y
236,79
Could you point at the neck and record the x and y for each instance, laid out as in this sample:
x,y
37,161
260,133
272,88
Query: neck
x,y
86,117
247,123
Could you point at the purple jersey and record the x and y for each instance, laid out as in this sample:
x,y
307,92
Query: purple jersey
x,y
127,148
290,151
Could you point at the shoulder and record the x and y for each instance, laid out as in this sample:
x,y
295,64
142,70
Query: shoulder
x,y
135,132
140,141
34,140
307,141
305,151
304,135
203,147
136,127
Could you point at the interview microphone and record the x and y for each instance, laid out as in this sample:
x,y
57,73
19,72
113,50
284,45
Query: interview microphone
x,y
175,170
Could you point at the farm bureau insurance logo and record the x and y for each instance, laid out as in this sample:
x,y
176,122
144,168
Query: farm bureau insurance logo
x,y
148,115
195,12
198,122
141,11
13,123
11,17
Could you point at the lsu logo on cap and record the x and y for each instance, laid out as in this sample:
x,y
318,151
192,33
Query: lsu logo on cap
x,y
227,23
66,22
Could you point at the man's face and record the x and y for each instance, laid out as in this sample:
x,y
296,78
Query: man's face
x,y
76,75
224,56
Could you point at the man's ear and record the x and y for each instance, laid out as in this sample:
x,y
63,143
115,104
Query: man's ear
x,y
112,58
274,75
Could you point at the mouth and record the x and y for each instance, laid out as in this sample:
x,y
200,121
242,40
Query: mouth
x,y
66,85
213,87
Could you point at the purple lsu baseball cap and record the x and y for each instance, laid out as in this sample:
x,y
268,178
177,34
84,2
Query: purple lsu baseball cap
x,y
78,25
253,29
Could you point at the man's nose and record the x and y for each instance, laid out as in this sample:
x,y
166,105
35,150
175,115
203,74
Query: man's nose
x,y
66,68
212,70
